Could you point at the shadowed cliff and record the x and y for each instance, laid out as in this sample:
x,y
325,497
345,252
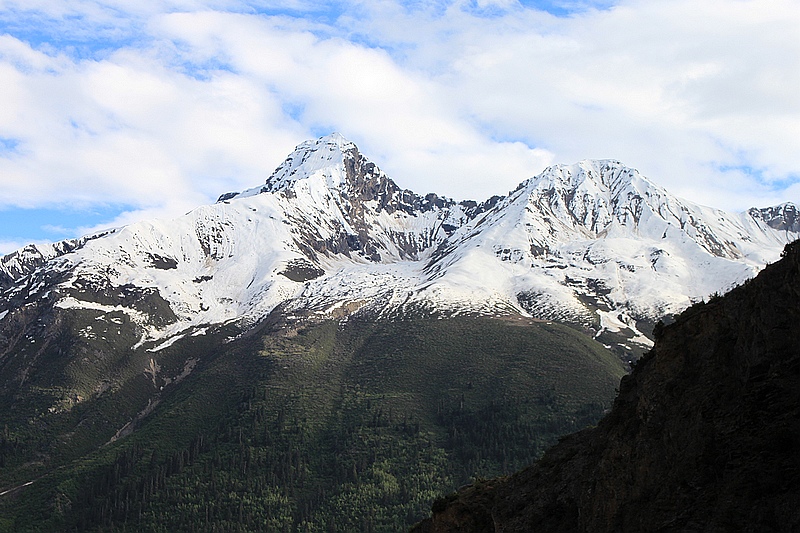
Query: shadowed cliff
x,y
703,436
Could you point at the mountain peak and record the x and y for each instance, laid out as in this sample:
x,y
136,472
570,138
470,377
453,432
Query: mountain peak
x,y
594,229
592,194
328,144
323,157
334,138
592,175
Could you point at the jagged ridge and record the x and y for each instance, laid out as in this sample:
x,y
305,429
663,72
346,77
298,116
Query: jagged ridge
x,y
594,243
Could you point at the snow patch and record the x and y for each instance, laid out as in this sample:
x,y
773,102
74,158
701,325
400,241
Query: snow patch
x,y
166,344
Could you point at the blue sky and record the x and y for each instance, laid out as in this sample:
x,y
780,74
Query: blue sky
x,y
117,110
56,223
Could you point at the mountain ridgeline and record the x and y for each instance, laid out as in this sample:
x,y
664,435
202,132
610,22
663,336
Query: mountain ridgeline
x,y
594,244
703,435
330,352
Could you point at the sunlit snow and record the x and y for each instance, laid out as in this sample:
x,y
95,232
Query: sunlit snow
x,y
588,243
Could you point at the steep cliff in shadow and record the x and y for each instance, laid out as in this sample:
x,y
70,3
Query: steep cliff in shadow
x,y
703,436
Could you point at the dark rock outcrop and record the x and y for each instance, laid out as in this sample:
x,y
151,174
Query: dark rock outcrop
x,y
784,217
703,436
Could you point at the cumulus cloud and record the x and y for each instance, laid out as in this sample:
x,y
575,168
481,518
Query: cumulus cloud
x,y
679,90
176,102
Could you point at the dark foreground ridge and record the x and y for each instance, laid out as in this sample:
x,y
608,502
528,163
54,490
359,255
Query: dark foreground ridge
x,y
703,436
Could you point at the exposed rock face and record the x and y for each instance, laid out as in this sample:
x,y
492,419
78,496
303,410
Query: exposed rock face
x,y
364,201
782,217
704,435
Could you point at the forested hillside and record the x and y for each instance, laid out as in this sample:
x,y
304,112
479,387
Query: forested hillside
x,y
323,426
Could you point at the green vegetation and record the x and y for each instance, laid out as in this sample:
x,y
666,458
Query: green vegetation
x,y
355,426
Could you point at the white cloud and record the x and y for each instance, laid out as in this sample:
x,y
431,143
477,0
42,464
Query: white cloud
x,y
671,87
189,99
128,130
399,117
8,246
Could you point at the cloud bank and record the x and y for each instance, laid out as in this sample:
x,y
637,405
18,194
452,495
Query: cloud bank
x,y
159,107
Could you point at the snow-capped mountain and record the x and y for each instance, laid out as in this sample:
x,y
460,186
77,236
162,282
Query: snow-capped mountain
x,y
597,243
594,243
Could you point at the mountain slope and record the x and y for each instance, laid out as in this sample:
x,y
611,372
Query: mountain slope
x,y
105,336
357,425
329,235
702,437
238,259
594,243
598,244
